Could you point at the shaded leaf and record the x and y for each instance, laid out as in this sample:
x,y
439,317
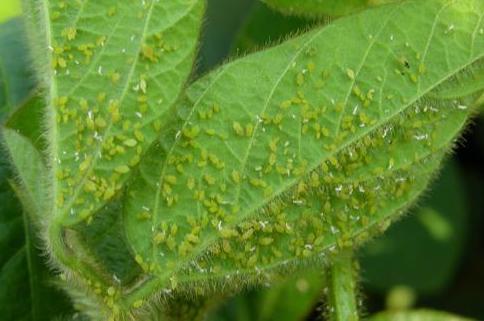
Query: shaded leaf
x,y
26,119
288,299
30,172
15,76
26,291
419,315
23,273
105,240
314,148
433,235
314,8
223,19
257,33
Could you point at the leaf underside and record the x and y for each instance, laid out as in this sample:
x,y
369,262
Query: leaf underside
x,y
117,68
289,154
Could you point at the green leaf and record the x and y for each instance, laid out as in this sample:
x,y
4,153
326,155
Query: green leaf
x,y
26,291
467,84
418,315
105,240
315,8
30,171
288,299
222,21
15,76
438,228
257,33
23,271
9,9
12,252
282,156
27,120
117,68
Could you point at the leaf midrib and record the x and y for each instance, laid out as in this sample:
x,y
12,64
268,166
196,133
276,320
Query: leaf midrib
x,y
383,122
278,80
160,281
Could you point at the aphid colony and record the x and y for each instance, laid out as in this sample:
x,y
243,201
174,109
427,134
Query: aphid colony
x,y
289,181
110,97
250,172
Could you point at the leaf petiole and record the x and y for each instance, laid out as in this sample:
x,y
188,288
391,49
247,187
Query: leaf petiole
x,y
342,292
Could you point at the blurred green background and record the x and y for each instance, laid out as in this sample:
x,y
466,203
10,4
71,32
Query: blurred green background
x,y
433,257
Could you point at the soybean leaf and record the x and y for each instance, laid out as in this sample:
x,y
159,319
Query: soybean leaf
x,y
314,8
104,238
23,272
278,158
16,80
418,315
9,9
288,299
26,292
257,33
12,251
468,83
117,68
438,229
26,120
30,171
222,21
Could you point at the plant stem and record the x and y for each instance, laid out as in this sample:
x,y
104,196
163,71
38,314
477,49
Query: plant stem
x,y
342,288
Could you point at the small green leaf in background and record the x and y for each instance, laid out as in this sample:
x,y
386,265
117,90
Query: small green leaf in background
x,y
418,315
16,80
27,120
257,33
423,250
316,8
9,9
289,299
30,173
27,292
105,240
223,20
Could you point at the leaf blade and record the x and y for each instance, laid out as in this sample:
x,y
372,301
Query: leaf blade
x,y
112,81
30,172
218,158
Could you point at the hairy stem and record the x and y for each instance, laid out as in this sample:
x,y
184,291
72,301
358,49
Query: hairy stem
x,y
342,301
